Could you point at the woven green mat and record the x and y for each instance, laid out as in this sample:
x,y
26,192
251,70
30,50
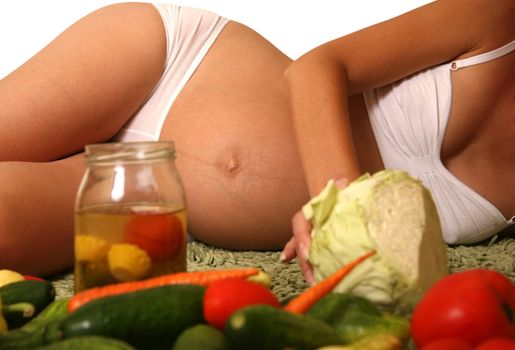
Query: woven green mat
x,y
497,254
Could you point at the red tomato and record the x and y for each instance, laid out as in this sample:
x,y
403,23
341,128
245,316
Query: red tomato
x,y
448,344
497,344
473,305
500,283
224,297
160,235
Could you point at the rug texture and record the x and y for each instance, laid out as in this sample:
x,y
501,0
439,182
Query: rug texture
x,y
497,254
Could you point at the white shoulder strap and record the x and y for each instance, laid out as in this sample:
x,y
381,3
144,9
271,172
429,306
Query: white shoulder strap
x,y
484,57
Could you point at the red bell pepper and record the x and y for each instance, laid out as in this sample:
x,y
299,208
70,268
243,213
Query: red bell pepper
x,y
474,305
224,297
33,278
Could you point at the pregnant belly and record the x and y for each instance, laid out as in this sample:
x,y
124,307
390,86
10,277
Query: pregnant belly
x,y
236,151
241,172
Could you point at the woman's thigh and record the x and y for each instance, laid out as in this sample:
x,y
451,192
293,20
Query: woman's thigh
x,y
36,214
83,86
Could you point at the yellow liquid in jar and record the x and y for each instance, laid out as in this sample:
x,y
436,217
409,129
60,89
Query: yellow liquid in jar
x,y
123,243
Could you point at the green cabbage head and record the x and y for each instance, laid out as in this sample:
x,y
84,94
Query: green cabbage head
x,y
390,212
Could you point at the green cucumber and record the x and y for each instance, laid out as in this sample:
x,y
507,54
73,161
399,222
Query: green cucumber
x,y
335,305
88,342
147,319
355,318
37,293
265,327
35,333
201,337
356,326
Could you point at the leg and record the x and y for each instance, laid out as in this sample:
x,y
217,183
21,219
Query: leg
x,y
36,214
83,86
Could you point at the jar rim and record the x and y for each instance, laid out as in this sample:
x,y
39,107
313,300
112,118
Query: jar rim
x,y
133,151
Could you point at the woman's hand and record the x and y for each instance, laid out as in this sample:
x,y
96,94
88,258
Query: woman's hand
x,y
298,246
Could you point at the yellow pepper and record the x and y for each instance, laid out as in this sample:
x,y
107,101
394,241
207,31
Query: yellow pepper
x,y
128,262
8,276
90,248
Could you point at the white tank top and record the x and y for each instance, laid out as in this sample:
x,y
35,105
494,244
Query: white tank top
x,y
409,119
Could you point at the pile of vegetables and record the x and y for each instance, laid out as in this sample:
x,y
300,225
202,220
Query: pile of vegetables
x,y
235,309
216,309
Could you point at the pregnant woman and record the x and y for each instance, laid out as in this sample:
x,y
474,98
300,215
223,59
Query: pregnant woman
x,y
245,136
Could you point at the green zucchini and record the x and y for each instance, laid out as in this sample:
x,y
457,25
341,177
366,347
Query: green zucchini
x,y
37,293
35,333
88,342
201,337
265,327
355,318
147,319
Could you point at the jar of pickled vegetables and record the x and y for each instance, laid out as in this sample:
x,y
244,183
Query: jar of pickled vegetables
x,y
130,214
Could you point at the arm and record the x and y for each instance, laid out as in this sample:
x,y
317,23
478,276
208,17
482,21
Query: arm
x,y
321,80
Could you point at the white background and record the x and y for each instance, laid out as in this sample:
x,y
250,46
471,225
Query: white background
x,y
294,26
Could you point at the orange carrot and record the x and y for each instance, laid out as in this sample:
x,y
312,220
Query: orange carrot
x,y
203,278
309,297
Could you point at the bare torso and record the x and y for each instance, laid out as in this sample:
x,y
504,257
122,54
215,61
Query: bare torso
x,y
237,155
235,147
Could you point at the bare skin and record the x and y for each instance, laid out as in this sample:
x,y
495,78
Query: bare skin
x,y
242,174
480,128
236,146
80,89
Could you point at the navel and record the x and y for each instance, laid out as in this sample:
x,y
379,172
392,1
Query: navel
x,y
229,162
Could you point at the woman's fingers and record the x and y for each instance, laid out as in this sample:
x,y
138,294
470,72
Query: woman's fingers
x,y
289,251
298,246
307,271
302,235
341,182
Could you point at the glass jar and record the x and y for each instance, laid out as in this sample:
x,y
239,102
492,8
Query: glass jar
x,y
130,214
